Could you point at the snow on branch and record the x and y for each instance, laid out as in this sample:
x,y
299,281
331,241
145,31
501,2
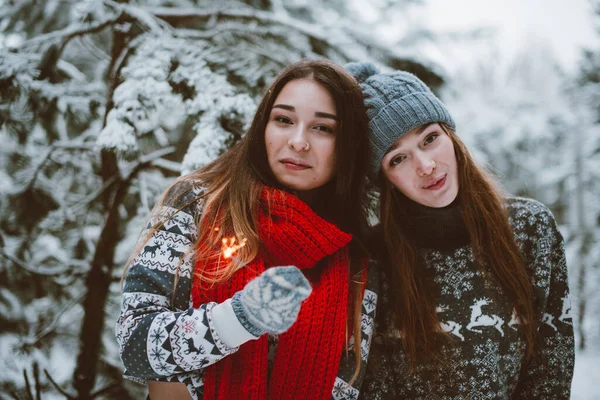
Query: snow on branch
x,y
146,160
142,16
312,31
70,32
139,14
117,135
55,146
168,165
12,64
144,103
167,81
246,31
36,271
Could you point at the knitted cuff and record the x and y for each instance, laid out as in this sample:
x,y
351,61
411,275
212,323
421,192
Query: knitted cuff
x,y
227,326
238,309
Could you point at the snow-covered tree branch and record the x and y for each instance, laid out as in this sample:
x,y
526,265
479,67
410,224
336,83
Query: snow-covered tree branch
x,y
102,105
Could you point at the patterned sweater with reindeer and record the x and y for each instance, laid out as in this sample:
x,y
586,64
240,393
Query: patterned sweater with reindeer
x,y
486,356
162,337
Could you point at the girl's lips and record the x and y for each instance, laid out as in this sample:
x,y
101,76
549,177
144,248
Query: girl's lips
x,y
437,185
294,164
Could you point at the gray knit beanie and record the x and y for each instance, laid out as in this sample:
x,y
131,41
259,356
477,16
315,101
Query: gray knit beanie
x,y
396,103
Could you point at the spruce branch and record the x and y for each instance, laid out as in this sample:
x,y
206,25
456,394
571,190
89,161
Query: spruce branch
x,y
96,51
145,161
70,32
106,390
313,32
119,63
40,272
39,168
91,198
55,146
36,377
58,40
167,165
14,395
27,385
141,15
52,326
57,386
255,32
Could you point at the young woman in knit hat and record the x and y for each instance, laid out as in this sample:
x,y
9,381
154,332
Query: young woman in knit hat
x,y
250,281
475,302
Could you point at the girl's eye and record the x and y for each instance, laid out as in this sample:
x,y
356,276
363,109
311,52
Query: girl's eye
x,y
396,160
324,128
430,138
283,119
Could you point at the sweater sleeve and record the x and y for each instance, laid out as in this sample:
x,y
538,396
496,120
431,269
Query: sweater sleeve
x,y
342,390
160,334
549,373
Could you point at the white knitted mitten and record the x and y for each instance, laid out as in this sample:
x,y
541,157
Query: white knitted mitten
x,y
270,303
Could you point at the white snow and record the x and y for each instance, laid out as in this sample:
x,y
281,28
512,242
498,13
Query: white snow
x,y
587,376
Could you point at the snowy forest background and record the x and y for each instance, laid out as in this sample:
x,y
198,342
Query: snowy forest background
x,y
105,102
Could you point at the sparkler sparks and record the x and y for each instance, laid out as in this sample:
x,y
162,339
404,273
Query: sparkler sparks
x,y
229,246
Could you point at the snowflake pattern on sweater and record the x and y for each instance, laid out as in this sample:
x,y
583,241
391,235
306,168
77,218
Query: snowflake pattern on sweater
x,y
162,337
486,359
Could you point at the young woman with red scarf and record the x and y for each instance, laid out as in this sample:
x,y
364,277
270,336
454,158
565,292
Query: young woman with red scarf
x,y
250,280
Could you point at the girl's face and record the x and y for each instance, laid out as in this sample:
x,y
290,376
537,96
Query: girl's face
x,y
300,136
421,165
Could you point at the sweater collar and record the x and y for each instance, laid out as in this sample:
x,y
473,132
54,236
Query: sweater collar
x,y
435,228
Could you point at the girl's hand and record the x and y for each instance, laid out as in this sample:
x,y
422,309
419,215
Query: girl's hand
x,y
270,303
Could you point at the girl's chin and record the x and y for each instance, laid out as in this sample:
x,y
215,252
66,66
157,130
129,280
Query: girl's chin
x,y
438,202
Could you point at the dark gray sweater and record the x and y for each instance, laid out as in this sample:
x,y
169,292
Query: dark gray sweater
x,y
486,359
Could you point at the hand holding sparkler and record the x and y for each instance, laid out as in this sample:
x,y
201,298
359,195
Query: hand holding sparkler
x,y
270,303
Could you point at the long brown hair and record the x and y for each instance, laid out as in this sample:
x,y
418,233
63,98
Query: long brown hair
x,y
234,181
413,301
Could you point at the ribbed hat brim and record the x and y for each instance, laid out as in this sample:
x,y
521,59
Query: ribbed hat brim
x,y
401,116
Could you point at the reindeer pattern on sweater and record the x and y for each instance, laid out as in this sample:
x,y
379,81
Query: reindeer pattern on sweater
x,y
486,356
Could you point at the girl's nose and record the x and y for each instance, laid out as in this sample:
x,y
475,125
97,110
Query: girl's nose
x,y
299,141
425,166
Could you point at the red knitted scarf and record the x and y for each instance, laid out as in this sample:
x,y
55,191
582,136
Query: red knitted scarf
x,y
308,354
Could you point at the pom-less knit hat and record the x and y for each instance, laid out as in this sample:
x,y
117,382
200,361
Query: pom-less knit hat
x,y
396,103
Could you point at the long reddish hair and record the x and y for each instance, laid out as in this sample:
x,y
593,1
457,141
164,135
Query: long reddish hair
x,y
234,181
413,301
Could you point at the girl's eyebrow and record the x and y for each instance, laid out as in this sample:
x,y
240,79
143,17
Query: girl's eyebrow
x,y
396,144
285,107
317,114
423,128
326,115
393,147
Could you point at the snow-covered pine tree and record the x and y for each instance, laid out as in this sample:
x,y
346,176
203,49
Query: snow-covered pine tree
x,y
513,113
585,92
534,127
103,103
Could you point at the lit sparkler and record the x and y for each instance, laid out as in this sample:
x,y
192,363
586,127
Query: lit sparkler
x,y
229,246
